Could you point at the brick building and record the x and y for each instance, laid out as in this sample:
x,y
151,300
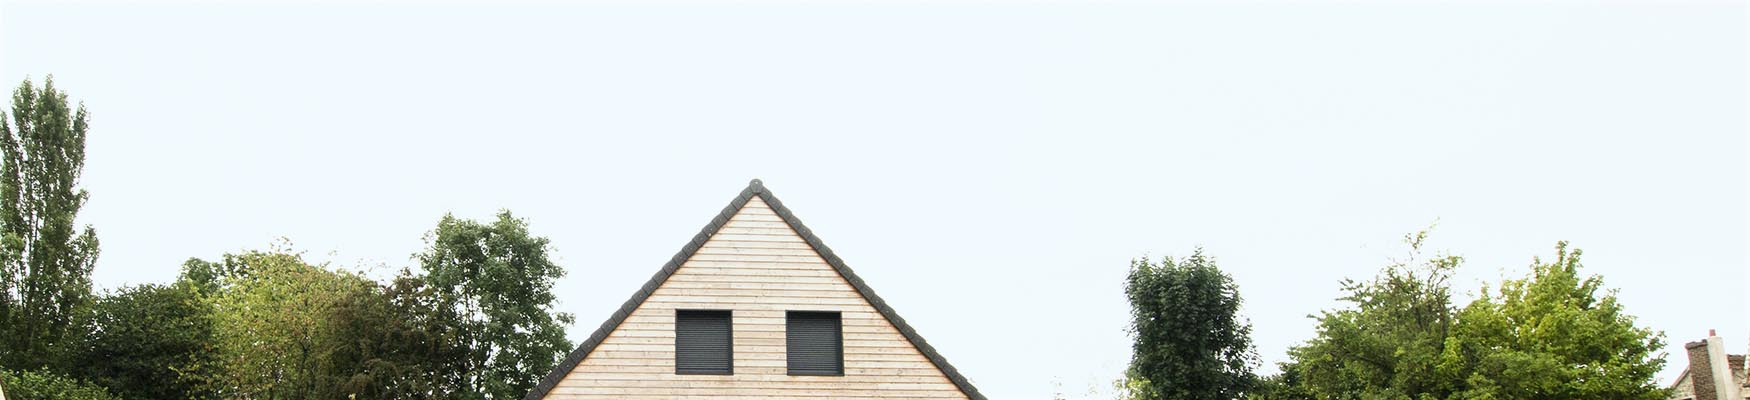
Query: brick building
x,y
1712,374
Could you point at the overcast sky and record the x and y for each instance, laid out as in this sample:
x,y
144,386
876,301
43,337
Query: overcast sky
x,y
989,169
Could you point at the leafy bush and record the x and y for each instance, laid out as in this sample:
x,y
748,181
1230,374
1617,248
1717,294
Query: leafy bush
x,y
44,385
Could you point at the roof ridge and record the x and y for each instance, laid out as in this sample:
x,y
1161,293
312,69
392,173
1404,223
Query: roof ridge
x,y
755,188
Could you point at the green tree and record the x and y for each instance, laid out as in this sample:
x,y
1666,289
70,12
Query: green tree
x,y
45,260
1190,340
1286,385
492,283
274,327
402,345
46,385
1550,336
1387,345
147,342
287,329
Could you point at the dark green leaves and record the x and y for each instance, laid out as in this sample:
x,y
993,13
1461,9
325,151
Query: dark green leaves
x,y
1190,340
492,284
145,342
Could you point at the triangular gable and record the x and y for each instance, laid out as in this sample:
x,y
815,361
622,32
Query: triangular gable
x,y
756,194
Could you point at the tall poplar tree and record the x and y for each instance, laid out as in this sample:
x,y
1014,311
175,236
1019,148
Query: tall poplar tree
x,y
45,260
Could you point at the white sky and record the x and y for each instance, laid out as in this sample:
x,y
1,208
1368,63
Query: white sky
x,y
990,169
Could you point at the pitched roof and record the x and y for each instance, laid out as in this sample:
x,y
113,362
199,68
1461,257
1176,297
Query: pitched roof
x,y
1733,361
754,188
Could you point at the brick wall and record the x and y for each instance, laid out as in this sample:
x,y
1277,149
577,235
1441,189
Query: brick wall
x,y
1701,375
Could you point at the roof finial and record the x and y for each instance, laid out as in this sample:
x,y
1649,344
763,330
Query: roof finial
x,y
1710,331
756,185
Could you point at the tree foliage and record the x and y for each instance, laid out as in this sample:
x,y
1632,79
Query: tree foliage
x,y
45,260
1386,346
1191,342
274,331
1546,336
147,342
45,385
1551,336
284,328
403,344
1285,385
476,322
493,284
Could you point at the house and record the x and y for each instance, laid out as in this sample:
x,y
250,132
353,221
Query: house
x,y
755,306
1712,374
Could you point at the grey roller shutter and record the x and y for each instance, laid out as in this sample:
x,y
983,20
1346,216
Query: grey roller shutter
x,y
703,343
815,343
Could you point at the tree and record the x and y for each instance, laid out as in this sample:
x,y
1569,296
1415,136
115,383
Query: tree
x,y
1546,336
1286,385
274,331
1190,341
1387,345
147,342
401,345
284,328
1550,336
493,284
45,261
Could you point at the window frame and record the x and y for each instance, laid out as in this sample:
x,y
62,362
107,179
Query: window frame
x,y
729,317
839,340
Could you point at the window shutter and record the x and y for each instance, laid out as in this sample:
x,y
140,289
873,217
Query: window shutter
x,y
702,342
815,343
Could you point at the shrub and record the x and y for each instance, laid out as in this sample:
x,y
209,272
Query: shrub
x,y
45,385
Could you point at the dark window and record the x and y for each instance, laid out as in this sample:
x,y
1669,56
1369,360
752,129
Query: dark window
x,y
816,343
702,342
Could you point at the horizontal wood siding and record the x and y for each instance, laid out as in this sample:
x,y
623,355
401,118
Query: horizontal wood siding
x,y
759,268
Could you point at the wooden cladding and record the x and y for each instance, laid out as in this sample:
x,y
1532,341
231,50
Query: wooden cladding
x,y
703,342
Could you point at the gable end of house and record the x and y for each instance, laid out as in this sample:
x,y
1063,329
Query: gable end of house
x,y
755,190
